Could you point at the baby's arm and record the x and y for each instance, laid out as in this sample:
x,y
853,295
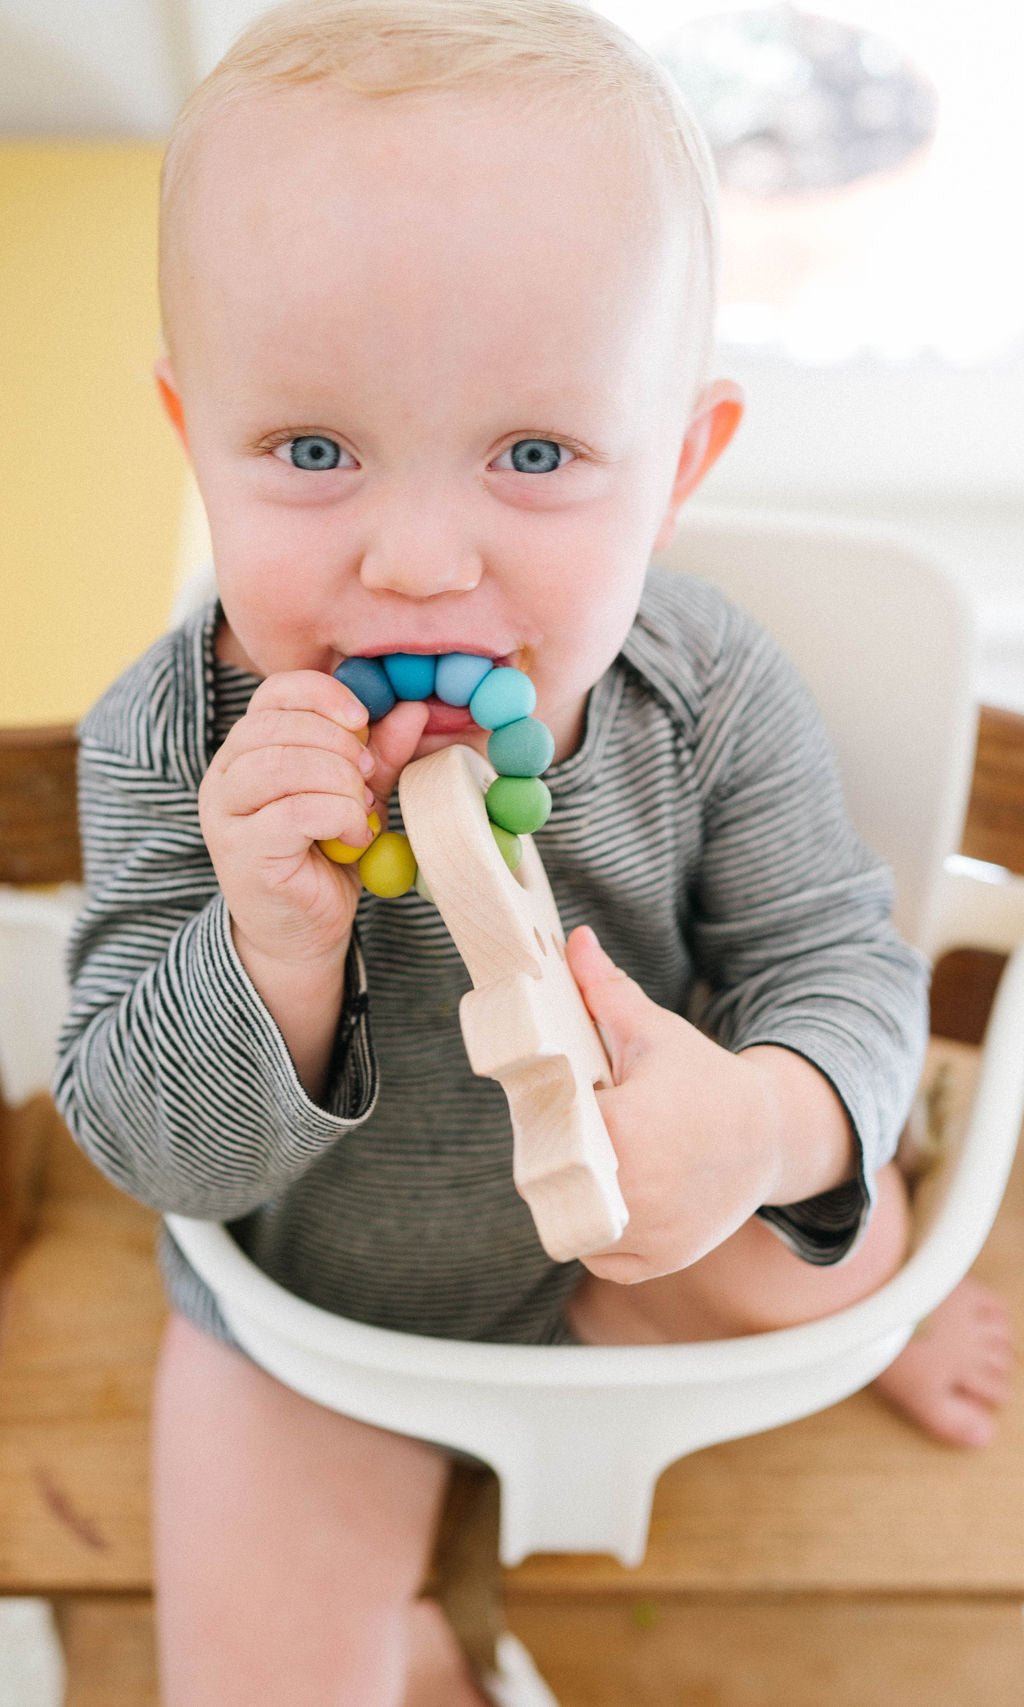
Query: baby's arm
x,y
704,1137
176,1074
289,774
817,1009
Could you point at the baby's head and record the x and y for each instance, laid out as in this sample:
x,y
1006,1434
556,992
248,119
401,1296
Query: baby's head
x,y
437,280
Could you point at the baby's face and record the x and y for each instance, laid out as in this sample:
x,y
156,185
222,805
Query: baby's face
x,y
428,353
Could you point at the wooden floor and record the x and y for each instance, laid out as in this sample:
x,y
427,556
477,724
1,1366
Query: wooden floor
x,y
843,1559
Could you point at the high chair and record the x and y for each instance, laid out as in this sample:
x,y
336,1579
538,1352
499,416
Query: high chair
x,y
579,1435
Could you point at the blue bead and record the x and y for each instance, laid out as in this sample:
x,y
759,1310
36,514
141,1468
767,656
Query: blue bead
x,y
411,674
459,674
367,680
502,697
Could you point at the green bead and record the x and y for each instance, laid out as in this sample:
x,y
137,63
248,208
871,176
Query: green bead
x,y
523,748
509,846
388,867
518,803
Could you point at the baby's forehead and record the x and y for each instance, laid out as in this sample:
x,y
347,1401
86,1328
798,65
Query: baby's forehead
x,y
420,212
293,140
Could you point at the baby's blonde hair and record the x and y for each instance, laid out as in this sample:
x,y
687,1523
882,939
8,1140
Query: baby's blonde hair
x,y
382,48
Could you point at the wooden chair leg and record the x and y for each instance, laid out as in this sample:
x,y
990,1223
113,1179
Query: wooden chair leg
x,y
24,1137
110,1650
467,1574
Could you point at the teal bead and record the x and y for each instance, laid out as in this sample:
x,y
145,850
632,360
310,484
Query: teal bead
x,y
518,803
523,748
411,674
504,696
459,674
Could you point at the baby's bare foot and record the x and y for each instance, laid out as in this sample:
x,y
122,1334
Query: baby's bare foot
x,y
956,1370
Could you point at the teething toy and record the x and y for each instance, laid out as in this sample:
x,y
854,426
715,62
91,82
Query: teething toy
x,y
500,699
524,1022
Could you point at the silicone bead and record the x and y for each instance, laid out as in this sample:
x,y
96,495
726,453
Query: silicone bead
x,y
342,853
411,674
509,846
504,696
459,674
388,866
523,748
518,803
368,681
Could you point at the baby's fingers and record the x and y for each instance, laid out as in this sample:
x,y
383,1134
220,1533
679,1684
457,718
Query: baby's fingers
x,y
270,726
310,690
265,776
288,826
395,739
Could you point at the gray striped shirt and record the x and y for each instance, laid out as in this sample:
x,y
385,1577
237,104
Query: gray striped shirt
x,y
699,828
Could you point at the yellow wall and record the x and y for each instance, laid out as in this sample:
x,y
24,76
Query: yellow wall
x,y
92,477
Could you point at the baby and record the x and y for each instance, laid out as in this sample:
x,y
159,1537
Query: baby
x,y
437,283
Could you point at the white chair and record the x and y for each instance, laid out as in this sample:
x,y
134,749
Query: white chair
x,y
579,1435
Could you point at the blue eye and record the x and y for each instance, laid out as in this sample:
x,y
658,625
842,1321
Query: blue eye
x,y
535,456
309,452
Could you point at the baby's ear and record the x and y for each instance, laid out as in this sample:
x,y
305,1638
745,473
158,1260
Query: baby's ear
x,y
170,396
717,414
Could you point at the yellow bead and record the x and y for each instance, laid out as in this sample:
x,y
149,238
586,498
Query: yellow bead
x,y
341,853
388,867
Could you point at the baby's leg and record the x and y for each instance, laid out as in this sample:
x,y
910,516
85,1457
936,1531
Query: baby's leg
x,y
290,1542
949,1378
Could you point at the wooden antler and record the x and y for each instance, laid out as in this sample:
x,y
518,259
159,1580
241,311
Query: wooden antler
x,y
524,1023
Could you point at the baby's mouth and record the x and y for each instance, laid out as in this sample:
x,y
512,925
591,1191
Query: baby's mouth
x,y
443,718
446,719
520,658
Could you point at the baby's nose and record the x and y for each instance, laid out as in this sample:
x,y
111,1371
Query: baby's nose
x,y
420,557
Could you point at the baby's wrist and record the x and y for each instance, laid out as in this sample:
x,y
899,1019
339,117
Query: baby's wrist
x,y
304,998
291,969
811,1146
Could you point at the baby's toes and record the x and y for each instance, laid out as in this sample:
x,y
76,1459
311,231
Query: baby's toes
x,y
991,1386
960,1418
990,1310
996,1352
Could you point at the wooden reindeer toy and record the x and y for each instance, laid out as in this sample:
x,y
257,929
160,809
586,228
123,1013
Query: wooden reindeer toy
x,y
469,850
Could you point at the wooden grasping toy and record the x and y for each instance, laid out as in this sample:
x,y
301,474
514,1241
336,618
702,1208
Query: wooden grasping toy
x,y
524,1023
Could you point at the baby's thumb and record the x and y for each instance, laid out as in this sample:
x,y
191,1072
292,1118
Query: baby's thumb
x,y
623,1014
393,741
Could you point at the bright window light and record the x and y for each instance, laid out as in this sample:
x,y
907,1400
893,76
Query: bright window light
x,y
870,155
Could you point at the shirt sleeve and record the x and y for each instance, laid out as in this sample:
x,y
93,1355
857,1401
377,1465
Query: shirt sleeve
x,y
791,926
171,1073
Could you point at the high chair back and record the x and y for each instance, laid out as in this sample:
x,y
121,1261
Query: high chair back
x,y
887,645
579,1435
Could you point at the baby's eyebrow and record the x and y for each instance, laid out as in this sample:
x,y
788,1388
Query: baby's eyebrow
x,y
261,441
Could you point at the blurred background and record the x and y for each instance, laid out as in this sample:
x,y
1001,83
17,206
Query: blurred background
x,y
872,306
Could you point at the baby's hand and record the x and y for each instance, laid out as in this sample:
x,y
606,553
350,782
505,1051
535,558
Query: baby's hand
x,y
292,772
692,1126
